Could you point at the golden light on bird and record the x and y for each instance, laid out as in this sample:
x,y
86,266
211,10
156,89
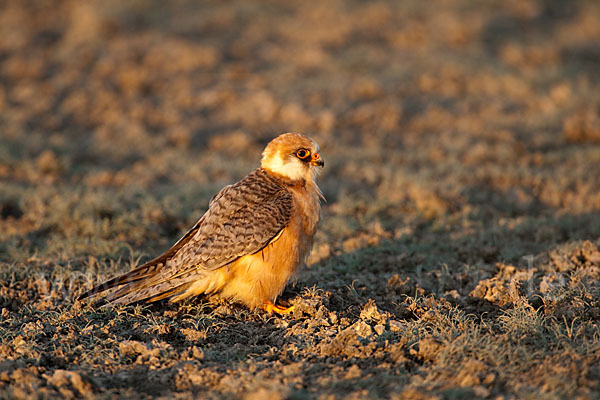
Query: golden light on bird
x,y
249,242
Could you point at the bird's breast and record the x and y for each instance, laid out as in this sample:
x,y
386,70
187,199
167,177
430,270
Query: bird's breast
x,y
307,207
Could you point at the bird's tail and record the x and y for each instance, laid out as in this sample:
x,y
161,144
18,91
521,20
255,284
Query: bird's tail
x,y
149,282
145,283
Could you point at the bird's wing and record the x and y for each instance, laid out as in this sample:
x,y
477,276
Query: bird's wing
x,y
242,219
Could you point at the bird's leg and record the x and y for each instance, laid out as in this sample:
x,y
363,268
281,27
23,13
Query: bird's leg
x,y
271,308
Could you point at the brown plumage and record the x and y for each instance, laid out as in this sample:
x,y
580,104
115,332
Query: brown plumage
x,y
249,242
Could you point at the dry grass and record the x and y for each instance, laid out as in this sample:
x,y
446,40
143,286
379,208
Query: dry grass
x,y
458,253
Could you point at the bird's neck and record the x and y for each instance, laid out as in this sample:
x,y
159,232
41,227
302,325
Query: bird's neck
x,y
286,180
288,173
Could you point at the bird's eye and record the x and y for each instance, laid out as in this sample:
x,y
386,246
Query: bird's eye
x,y
302,154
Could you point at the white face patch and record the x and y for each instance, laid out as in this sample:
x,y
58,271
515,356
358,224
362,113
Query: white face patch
x,y
291,167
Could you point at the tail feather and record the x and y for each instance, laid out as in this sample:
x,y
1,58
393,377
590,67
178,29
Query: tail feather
x,y
170,293
149,282
140,273
154,287
145,291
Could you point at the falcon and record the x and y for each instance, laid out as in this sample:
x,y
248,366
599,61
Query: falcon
x,y
246,246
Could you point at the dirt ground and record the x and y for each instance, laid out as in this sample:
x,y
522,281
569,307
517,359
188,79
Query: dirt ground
x,y
458,252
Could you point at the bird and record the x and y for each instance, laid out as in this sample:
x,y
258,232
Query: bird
x,y
247,245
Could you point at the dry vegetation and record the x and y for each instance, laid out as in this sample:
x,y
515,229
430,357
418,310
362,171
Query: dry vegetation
x,y
458,253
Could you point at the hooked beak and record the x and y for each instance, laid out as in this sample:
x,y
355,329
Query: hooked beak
x,y
316,160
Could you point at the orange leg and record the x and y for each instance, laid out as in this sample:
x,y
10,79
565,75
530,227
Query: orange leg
x,y
271,308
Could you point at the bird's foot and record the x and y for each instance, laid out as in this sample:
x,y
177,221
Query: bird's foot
x,y
272,308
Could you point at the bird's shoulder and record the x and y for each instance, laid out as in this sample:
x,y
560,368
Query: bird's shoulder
x,y
257,187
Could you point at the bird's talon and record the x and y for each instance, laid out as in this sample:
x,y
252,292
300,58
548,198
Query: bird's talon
x,y
272,308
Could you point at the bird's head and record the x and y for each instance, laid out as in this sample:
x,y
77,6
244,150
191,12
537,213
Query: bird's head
x,y
293,156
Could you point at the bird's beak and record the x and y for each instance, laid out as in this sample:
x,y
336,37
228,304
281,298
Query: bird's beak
x,y
316,160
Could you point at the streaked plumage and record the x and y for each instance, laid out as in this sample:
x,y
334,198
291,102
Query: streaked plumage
x,y
249,242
